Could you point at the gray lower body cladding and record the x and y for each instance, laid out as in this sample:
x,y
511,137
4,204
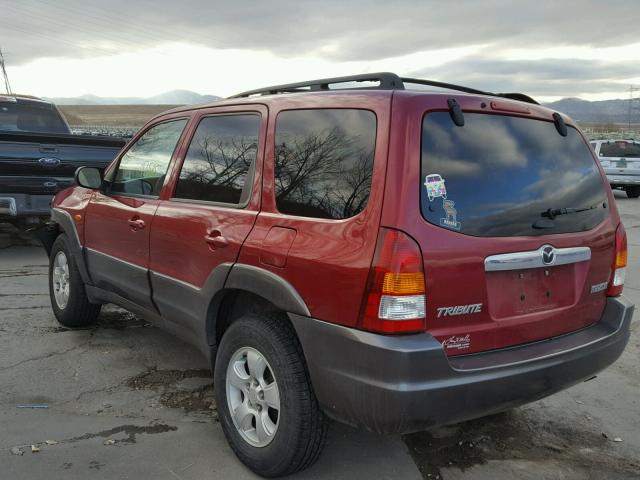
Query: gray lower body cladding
x,y
403,384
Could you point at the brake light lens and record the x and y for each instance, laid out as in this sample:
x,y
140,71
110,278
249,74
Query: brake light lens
x,y
619,270
395,298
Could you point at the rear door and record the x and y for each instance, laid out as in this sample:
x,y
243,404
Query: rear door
x,y
207,212
323,183
117,221
503,264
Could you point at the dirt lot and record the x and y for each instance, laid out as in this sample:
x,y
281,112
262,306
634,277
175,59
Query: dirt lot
x,y
111,115
125,400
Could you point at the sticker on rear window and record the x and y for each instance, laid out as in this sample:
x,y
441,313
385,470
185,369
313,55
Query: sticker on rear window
x,y
457,342
450,220
434,184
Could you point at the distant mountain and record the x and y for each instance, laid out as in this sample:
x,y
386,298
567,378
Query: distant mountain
x,y
174,97
604,111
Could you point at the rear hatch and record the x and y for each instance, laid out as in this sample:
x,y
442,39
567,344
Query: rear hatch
x,y
620,157
504,265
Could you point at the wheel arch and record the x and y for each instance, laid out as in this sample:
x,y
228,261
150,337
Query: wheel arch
x,y
250,289
61,222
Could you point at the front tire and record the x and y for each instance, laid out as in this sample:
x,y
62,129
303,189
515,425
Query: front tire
x,y
66,288
266,405
633,192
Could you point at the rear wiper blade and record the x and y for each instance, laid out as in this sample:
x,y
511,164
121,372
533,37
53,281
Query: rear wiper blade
x,y
552,213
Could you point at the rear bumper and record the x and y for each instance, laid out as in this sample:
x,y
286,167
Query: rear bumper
x,y
622,179
407,383
24,205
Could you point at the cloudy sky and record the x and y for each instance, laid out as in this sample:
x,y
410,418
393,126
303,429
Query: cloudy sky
x,y
548,49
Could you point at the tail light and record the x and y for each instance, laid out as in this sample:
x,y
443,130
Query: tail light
x,y
619,270
395,299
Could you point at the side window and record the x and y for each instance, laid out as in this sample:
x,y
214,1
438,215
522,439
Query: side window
x,y
324,162
142,169
220,159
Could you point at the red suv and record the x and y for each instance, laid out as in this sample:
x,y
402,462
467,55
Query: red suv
x,y
388,257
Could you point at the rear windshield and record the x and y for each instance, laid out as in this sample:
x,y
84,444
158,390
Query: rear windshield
x,y
620,149
496,175
27,117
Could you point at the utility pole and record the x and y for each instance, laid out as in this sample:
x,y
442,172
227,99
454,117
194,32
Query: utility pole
x,y
7,87
631,90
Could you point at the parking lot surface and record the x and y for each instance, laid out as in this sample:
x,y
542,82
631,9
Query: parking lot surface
x,y
124,400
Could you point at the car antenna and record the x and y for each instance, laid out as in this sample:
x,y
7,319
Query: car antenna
x,y
7,86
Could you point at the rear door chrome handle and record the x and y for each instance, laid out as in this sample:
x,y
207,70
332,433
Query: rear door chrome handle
x,y
215,239
136,223
545,256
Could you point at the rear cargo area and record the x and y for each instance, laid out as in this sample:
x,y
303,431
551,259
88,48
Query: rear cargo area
x,y
515,230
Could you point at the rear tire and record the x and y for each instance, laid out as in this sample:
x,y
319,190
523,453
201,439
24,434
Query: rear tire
x,y
296,435
633,192
66,288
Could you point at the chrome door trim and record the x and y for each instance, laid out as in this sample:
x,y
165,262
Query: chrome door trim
x,y
545,256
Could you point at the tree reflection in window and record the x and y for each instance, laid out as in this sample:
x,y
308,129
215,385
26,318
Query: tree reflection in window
x,y
220,156
324,162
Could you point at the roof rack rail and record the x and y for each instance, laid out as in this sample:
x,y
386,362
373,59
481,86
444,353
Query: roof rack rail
x,y
386,81
432,83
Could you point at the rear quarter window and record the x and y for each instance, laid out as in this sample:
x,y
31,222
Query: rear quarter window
x,y
324,162
497,174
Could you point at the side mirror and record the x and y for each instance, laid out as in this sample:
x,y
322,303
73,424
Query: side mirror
x,y
89,177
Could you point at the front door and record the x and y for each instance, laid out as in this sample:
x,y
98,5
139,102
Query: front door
x,y
119,218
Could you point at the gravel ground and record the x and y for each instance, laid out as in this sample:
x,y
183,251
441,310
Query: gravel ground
x,y
125,400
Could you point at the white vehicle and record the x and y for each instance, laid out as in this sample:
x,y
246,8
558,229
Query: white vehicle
x,y
621,162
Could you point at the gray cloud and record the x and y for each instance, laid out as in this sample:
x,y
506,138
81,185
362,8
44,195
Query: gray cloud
x,y
360,29
562,77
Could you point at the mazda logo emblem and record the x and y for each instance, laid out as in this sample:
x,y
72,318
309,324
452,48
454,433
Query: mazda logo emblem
x,y
548,255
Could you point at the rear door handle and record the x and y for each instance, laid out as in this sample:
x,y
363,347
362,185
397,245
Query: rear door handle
x,y
215,239
136,223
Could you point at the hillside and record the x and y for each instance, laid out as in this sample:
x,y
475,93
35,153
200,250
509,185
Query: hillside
x,y
605,111
174,97
111,115
584,111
